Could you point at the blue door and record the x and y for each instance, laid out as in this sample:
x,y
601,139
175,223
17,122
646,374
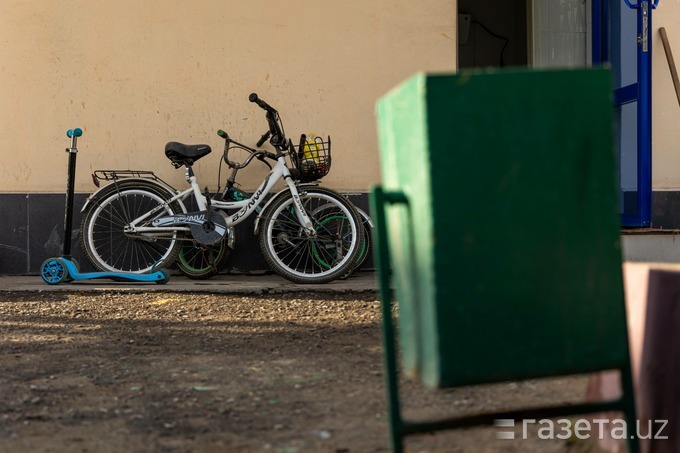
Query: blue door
x,y
622,37
619,36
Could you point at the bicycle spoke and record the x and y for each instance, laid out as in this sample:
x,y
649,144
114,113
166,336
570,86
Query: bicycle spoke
x,y
322,256
108,246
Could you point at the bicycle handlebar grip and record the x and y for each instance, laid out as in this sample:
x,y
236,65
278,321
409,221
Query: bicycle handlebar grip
x,y
262,139
223,134
303,140
77,132
263,105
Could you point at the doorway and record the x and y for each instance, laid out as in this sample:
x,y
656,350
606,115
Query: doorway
x,y
492,33
577,33
535,33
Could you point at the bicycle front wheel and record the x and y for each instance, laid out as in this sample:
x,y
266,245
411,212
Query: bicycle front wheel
x,y
319,258
106,244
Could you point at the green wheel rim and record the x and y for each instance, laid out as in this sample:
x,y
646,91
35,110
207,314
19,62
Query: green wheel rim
x,y
315,251
201,256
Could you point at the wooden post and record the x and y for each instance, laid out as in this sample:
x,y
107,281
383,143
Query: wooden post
x,y
671,61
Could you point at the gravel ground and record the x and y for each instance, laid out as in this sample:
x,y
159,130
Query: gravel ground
x,y
189,372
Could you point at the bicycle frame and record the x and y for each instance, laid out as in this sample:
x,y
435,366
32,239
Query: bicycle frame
x,y
245,207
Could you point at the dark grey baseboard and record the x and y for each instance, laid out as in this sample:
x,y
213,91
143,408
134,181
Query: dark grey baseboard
x,y
32,230
666,210
31,227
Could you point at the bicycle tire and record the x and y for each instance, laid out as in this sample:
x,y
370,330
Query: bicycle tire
x,y
367,246
105,244
200,262
321,259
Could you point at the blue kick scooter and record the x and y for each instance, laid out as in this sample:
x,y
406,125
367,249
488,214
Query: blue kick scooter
x,y
65,269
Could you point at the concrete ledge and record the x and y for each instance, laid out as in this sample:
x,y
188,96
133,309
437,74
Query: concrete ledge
x,y
363,281
651,247
637,231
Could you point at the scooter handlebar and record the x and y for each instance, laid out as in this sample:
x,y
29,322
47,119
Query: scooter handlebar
x,y
77,132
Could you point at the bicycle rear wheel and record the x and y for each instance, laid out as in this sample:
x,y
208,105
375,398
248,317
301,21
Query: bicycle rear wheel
x,y
105,243
367,245
200,262
321,258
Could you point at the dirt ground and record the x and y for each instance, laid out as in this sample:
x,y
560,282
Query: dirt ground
x,y
169,372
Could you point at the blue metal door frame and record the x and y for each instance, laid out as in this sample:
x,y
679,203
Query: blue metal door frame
x,y
641,92
600,31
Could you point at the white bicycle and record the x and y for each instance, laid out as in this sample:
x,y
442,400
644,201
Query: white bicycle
x,y
308,233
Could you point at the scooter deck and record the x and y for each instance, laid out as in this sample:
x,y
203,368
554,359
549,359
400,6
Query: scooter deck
x,y
60,270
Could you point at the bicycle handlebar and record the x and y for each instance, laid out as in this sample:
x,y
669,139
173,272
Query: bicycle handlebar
x,y
266,154
259,154
263,105
278,137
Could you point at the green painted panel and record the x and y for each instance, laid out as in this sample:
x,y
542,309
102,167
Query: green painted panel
x,y
507,263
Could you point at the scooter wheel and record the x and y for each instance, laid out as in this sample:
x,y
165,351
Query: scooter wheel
x,y
165,279
53,271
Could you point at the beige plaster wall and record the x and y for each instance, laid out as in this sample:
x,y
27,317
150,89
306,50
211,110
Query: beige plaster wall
x,y
665,107
136,74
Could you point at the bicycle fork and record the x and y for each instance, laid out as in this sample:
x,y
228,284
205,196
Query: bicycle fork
x,y
300,211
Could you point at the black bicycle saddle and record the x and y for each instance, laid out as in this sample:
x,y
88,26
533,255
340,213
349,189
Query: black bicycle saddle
x,y
181,154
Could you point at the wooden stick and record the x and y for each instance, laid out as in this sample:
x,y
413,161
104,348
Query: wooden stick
x,y
671,61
